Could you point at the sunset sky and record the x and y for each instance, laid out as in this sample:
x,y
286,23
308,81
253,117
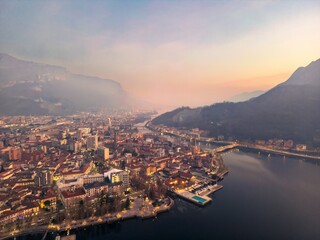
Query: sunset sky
x,y
171,52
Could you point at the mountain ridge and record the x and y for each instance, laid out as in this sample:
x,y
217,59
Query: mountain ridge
x,y
33,88
290,110
241,97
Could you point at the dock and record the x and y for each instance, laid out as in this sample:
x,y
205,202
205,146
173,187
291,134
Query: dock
x,y
210,190
191,197
200,197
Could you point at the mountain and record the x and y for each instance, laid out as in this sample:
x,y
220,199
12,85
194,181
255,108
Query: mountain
x,y
37,89
290,110
241,97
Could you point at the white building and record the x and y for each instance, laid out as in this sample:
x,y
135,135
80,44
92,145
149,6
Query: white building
x,y
116,175
77,182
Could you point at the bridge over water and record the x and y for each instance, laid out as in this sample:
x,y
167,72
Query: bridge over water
x,y
230,145
225,148
277,152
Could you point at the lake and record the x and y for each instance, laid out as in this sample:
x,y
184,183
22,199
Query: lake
x,y
263,198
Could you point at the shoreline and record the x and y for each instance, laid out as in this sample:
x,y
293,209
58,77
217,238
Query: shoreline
x,y
242,146
87,222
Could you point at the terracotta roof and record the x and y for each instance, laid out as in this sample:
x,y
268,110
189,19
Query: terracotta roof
x,y
75,193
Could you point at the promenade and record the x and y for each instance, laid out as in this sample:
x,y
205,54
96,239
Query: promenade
x,y
140,209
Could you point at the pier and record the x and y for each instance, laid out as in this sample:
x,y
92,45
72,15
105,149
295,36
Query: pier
x,y
191,197
199,197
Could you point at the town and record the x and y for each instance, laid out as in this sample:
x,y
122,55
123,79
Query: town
x,y
60,173
281,147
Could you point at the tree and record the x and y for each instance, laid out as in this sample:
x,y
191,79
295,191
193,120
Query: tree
x,y
117,204
122,165
127,203
162,189
151,193
47,203
81,209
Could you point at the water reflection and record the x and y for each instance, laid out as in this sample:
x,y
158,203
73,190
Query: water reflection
x,y
262,198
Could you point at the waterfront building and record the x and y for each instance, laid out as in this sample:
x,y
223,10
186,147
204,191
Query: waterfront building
x,y
87,179
78,181
96,188
73,197
116,175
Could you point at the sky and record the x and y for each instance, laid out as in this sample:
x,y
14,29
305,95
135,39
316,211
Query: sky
x,y
177,53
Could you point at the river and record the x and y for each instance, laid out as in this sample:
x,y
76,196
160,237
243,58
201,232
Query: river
x,y
263,198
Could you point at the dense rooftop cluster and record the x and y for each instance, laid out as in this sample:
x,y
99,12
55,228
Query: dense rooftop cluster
x,y
54,169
